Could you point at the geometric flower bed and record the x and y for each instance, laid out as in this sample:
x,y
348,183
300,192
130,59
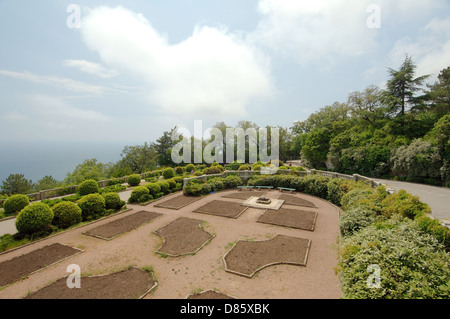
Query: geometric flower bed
x,y
299,219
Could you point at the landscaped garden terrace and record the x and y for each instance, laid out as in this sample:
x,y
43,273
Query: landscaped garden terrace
x,y
392,231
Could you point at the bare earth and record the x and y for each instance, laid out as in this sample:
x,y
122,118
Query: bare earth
x,y
179,277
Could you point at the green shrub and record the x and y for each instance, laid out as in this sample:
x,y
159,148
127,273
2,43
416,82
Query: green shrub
x,y
256,167
34,218
138,195
355,219
92,206
165,188
189,168
300,169
179,170
232,181
134,180
15,203
172,183
216,184
212,170
66,214
337,188
245,167
154,188
113,201
206,188
412,264
233,166
197,173
433,227
87,187
355,196
168,173
178,179
193,188
404,204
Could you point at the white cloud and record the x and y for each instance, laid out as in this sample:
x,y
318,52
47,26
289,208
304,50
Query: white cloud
x,y
211,72
59,82
430,49
319,31
91,68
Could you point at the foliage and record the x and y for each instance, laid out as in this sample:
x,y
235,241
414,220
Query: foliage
x,y
412,264
17,184
92,206
193,188
139,194
189,168
89,169
46,183
232,181
179,170
87,187
245,167
165,188
172,184
154,188
66,214
404,204
168,173
355,219
34,218
113,201
15,203
216,184
134,180
213,170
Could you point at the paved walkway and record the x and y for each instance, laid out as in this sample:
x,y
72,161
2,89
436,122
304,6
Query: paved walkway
x,y
437,197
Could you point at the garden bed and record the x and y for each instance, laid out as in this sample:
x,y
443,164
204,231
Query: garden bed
x,y
133,283
247,258
19,267
245,194
293,218
296,201
183,236
222,208
178,202
119,226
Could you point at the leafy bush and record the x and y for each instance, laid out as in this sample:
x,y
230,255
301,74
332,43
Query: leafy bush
x,y
245,167
412,264
355,219
433,227
66,214
233,166
355,196
179,170
113,201
189,168
172,183
178,179
216,184
193,188
92,206
337,188
404,204
34,218
134,180
139,195
168,173
15,203
154,188
206,188
256,167
87,187
232,181
165,188
212,170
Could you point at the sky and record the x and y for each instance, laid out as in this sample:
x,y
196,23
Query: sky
x,y
81,79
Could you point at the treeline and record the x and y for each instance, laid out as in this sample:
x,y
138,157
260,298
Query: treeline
x,y
401,131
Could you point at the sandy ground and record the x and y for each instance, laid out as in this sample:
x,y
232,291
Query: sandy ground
x,y
181,276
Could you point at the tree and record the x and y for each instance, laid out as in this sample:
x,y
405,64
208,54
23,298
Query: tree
x,y
316,147
439,93
89,169
137,159
163,148
17,184
47,182
367,105
402,87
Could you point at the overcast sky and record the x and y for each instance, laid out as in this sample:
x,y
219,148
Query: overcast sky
x,y
126,71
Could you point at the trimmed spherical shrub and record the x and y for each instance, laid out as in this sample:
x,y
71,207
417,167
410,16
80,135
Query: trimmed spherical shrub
x,y
134,180
138,193
15,203
212,170
113,201
179,170
257,167
66,214
154,188
168,173
189,168
216,184
206,188
87,187
172,183
92,206
178,179
34,218
165,188
245,167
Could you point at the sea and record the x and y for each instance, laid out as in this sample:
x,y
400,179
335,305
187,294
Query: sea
x,y
38,159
